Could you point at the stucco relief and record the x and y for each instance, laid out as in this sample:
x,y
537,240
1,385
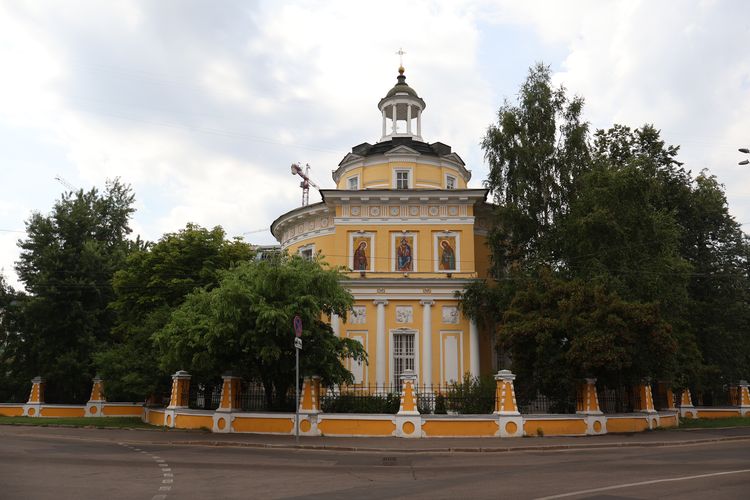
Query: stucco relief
x,y
450,315
404,314
358,315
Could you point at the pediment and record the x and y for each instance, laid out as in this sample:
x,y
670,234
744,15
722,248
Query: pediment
x,y
402,150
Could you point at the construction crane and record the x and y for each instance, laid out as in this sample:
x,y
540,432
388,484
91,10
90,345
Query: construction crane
x,y
306,181
59,178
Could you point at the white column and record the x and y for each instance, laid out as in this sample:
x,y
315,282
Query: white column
x,y
408,119
427,341
393,110
419,123
473,348
384,122
380,343
335,324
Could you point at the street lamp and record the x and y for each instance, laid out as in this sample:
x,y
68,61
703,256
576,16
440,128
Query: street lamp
x,y
746,151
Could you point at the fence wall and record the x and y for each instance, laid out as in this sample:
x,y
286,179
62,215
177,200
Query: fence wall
x,y
224,410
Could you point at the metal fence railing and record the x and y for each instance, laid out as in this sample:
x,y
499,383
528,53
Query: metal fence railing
x,y
619,400
204,396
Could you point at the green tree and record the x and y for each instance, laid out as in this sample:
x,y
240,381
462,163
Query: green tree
x,y
535,152
559,331
12,388
153,282
245,326
67,262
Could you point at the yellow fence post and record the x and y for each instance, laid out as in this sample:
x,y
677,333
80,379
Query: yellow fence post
x,y
744,398
309,406
96,401
230,402
510,421
687,410
646,403
587,404
408,419
33,407
178,398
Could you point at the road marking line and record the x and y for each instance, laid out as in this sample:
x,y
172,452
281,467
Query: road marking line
x,y
166,470
163,465
643,483
167,481
160,460
165,488
159,497
168,474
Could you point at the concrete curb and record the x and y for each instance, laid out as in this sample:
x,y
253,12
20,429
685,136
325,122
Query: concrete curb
x,y
143,439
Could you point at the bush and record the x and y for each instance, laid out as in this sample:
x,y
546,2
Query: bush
x,y
474,395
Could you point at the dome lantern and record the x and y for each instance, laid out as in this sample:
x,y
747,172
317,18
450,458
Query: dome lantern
x,y
400,109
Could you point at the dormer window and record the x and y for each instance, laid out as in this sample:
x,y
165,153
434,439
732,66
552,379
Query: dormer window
x,y
353,183
450,182
402,179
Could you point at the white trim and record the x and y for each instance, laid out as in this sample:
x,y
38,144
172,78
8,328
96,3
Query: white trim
x,y
361,234
435,254
395,242
389,355
399,221
306,236
460,354
350,362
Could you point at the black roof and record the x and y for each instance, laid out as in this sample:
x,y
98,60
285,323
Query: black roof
x,y
434,149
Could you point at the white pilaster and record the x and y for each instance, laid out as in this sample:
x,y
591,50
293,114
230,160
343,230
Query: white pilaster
x,y
408,119
427,341
336,324
393,110
384,122
419,123
380,343
473,348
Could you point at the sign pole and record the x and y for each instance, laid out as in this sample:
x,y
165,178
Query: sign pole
x,y
297,323
296,389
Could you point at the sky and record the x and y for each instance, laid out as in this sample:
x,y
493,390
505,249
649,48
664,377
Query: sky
x,y
203,106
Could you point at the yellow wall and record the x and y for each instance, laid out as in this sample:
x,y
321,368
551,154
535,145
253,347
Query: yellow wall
x,y
193,421
381,176
718,414
336,251
260,424
634,424
51,411
556,427
156,417
11,411
472,428
356,427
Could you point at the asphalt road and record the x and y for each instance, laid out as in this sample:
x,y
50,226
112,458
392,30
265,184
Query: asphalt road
x,y
35,465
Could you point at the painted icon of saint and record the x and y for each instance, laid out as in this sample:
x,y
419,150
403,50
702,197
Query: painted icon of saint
x,y
447,256
404,262
360,257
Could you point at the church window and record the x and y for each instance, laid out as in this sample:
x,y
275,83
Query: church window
x,y
354,183
403,354
402,179
450,182
307,252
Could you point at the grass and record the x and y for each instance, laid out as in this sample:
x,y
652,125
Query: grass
x,y
713,423
96,422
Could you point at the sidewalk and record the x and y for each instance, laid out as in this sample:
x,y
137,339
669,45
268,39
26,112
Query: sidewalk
x,y
386,444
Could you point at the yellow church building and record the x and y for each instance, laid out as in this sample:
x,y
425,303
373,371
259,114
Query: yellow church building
x,y
411,233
